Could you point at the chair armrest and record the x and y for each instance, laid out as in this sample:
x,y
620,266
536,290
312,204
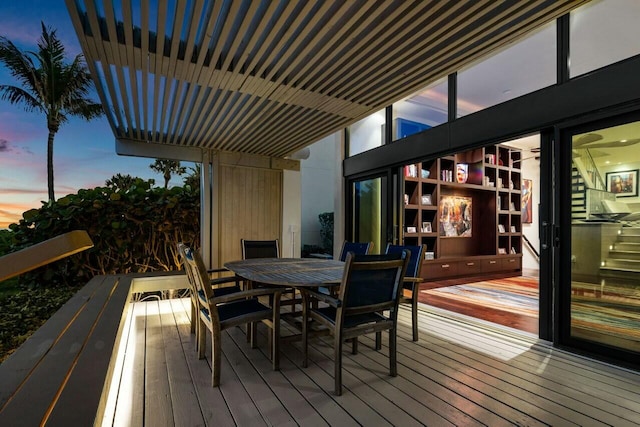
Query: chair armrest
x,y
218,270
333,302
247,294
413,279
221,280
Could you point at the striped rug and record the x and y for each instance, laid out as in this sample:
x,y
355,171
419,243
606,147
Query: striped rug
x,y
514,294
608,314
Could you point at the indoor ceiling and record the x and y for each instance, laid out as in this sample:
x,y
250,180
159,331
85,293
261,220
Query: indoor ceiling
x,y
271,77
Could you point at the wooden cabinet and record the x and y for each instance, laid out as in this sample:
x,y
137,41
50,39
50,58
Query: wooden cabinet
x,y
467,209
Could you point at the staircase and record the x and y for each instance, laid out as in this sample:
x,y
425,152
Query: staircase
x,y
624,258
578,196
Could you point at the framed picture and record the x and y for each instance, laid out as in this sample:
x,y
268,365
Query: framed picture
x,y
623,183
411,229
502,251
426,199
527,201
513,229
501,228
429,255
455,216
426,227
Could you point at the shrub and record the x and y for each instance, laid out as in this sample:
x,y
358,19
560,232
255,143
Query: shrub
x,y
134,229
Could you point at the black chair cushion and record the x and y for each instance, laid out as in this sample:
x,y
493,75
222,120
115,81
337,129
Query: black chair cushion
x,y
239,308
329,313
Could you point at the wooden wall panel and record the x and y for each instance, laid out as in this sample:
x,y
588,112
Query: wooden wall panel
x,y
249,206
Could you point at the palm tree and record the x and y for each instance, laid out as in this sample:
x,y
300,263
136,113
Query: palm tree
x,y
49,85
168,168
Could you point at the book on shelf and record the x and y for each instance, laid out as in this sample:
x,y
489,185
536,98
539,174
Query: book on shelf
x,y
411,171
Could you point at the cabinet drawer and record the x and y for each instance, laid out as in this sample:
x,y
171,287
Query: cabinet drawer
x,y
491,265
469,267
434,270
511,263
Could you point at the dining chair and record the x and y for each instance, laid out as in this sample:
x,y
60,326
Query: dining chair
x,y
355,247
411,282
217,313
220,285
370,287
252,249
260,248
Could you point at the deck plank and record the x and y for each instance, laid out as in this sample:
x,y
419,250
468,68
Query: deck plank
x,y
61,355
15,369
568,392
457,374
288,395
131,386
158,409
186,408
213,407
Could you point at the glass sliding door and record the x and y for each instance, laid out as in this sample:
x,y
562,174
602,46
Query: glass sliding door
x,y
601,301
370,211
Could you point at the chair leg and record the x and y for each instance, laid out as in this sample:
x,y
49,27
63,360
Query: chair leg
x,y
393,362
254,334
354,345
414,313
275,335
305,329
201,342
216,354
378,340
194,312
337,356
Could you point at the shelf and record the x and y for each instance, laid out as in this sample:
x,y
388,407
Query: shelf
x,y
457,256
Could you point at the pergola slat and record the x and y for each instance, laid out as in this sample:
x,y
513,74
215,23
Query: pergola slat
x,y
270,78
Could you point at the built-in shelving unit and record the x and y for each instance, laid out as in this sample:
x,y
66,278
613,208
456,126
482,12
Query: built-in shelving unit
x,y
467,209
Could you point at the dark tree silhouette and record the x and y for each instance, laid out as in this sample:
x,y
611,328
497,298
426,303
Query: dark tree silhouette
x,y
49,85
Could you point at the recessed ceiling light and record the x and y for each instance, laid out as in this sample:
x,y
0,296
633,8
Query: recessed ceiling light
x,y
623,140
607,162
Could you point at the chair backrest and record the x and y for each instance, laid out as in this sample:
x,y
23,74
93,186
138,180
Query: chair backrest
x,y
370,283
355,247
182,251
200,278
260,249
415,261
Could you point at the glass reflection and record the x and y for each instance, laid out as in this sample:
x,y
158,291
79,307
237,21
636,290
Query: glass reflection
x,y
605,237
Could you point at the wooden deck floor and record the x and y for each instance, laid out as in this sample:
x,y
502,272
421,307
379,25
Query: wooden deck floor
x,y
462,372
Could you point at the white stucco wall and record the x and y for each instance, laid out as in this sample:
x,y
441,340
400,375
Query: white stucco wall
x,y
318,180
531,170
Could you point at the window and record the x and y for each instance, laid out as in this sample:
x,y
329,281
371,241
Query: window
x,y
603,32
523,67
421,111
367,133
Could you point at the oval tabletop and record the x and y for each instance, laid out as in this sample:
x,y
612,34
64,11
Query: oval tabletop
x,y
296,272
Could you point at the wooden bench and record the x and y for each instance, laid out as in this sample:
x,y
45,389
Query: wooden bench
x,y
61,375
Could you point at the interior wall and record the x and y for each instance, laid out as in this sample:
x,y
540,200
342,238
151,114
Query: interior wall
x,y
317,174
531,170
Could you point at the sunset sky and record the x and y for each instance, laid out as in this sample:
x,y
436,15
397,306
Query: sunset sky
x,y
84,152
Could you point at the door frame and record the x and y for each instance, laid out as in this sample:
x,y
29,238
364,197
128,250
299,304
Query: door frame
x,y
561,188
390,193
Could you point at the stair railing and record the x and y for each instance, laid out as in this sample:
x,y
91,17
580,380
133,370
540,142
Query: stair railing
x,y
531,248
588,169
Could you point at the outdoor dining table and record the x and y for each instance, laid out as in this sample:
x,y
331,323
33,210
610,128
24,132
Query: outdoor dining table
x,y
298,273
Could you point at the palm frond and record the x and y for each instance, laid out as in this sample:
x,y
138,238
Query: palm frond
x,y
17,95
20,65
